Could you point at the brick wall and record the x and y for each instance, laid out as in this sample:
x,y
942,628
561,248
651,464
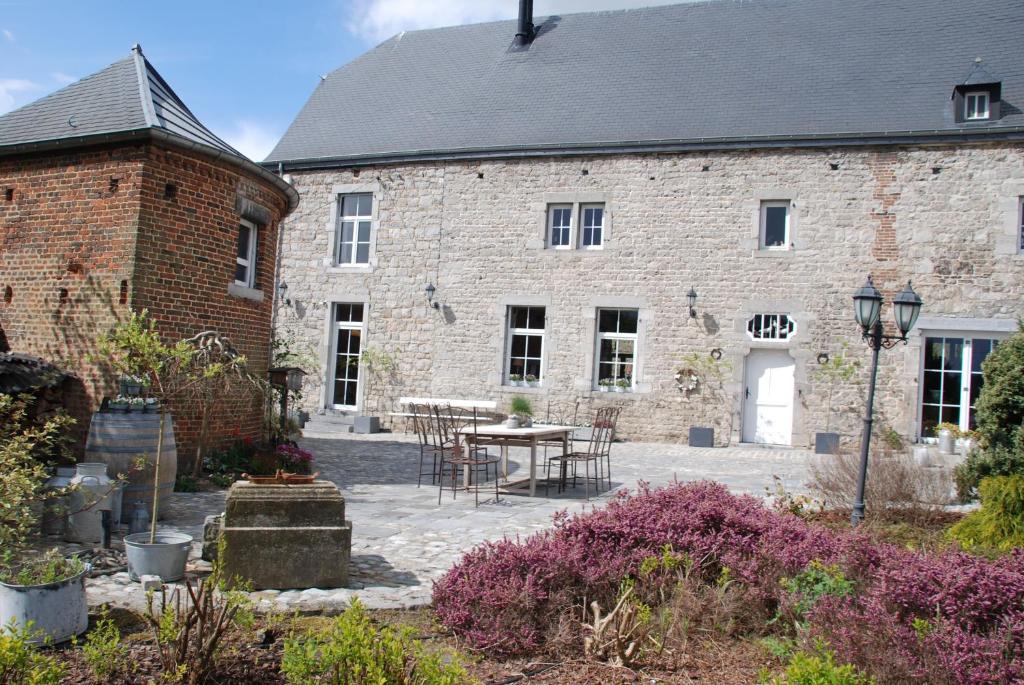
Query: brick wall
x,y
67,237
184,263
89,235
943,216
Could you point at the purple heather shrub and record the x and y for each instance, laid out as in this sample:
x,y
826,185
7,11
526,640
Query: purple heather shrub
x,y
913,617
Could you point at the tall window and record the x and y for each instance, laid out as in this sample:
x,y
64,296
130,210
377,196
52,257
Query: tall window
x,y
354,218
348,324
976,105
592,226
245,260
525,351
952,381
616,347
775,225
1020,222
560,226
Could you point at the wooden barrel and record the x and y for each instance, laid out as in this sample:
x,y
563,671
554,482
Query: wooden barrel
x,y
118,439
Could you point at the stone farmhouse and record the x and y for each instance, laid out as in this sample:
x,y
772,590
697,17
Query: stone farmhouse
x,y
562,184
114,196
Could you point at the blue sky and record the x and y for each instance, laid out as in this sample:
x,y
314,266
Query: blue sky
x,y
244,68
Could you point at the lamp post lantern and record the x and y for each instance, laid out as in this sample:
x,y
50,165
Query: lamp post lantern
x,y
867,310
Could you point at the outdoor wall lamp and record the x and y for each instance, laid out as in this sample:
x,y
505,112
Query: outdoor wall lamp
x,y
691,298
867,310
429,290
282,291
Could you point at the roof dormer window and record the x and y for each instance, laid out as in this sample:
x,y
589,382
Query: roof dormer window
x,y
976,105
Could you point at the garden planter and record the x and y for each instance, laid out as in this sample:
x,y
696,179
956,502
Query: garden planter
x,y
366,424
512,422
826,443
118,440
58,610
702,437
165,558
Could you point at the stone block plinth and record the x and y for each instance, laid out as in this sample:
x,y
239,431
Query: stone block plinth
x,y
286,536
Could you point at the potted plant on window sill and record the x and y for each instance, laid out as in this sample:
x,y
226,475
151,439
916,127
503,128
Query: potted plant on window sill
x,y
531,381
605,384
515,379
623,385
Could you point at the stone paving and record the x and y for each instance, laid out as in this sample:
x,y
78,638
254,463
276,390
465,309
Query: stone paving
x,y
403,540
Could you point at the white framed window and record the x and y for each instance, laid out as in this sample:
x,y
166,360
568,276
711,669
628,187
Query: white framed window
x,y
1020,223
524,346
775,225
976,105
592,226
952,379
616,352
770,327
355,217
245,259
560,227
347,346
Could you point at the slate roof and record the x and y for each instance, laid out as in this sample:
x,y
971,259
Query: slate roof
x,y
128,95
22,372
704,74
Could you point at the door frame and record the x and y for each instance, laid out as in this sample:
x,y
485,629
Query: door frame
x,y
744,386
332,357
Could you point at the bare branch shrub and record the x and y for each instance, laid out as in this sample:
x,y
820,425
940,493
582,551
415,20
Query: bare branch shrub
x,y
897,486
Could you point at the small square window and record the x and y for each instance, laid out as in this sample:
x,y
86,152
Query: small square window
x,y
775,225
245,258
976,106
592,226
560,227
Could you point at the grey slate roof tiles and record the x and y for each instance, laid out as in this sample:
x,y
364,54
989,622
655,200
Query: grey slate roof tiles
x,y
128,95
726,69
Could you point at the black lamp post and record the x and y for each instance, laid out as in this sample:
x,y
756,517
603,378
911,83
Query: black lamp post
x,y
867,310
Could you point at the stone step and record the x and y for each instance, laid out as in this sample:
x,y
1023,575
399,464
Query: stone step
x,y
329,423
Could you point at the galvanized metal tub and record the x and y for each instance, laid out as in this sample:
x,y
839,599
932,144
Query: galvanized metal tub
x,y
165,558
57,611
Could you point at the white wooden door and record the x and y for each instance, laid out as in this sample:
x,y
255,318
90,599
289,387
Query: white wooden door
x,y
768,398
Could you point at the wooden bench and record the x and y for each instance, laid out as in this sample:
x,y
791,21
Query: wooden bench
x,y
487,406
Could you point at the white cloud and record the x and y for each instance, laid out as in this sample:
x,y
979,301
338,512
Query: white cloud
x,y
62,79
376,20
8,35
9,90
252,139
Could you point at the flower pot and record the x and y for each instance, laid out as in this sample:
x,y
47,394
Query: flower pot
x,y
165,558
826,443
512,422
603,388
57,610
945,441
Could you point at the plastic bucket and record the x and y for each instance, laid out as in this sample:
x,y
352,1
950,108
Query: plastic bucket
x,y
57,611
165,558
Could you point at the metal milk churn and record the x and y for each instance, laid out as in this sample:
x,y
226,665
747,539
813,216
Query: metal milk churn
x,y
92,495
55,509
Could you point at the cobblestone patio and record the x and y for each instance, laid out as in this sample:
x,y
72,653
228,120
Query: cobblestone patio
x,y
402,540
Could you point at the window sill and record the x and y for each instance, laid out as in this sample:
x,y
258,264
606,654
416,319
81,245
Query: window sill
x,y
528,389
765,252
246,293
348,268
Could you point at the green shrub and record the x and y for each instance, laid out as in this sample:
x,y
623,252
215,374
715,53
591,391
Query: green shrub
x,y
999,524
520,406
818,669
104,652
999,413
21,664
813,583
354,652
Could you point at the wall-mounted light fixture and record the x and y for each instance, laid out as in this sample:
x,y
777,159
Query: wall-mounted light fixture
x,y
282,292
430,290
716,353
823,357
691,297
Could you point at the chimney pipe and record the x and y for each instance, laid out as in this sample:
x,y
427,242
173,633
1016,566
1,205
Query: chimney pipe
x,y
524,33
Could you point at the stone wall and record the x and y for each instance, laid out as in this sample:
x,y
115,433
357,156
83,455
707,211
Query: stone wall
x,y
943,216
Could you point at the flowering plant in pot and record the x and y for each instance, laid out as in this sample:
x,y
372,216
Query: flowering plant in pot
x,y
46,591
606,384
294,459
183,370
515,379
531,380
